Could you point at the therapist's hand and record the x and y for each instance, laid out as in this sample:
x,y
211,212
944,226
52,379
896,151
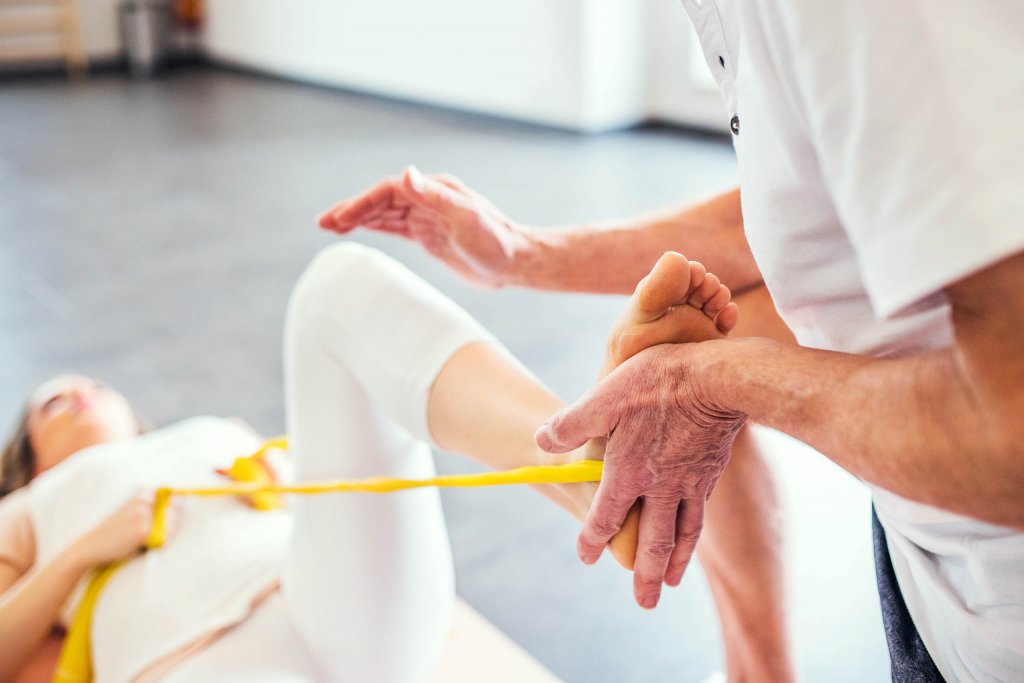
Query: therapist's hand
x,y
453,223
665,445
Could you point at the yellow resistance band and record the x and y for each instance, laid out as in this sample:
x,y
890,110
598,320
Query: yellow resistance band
x,y
75,665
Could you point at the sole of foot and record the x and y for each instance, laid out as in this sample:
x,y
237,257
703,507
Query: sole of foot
x,y
678,302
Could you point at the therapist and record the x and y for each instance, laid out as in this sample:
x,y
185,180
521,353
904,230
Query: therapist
x,y
882,167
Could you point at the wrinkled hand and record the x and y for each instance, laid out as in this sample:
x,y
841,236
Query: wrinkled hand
x,y
453,223
665,445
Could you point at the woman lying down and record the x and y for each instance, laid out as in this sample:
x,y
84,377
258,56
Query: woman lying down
x,y
336,587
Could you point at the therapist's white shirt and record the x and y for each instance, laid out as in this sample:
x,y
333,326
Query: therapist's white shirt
x,y
881,155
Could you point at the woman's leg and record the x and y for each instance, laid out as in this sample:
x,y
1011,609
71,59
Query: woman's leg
x,y
369,581
377,364
742,546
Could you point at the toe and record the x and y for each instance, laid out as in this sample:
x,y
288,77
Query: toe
x,y
701,295
698,273
717,302
666,285
727,318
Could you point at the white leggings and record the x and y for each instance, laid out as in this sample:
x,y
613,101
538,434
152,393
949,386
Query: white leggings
x,y
368,587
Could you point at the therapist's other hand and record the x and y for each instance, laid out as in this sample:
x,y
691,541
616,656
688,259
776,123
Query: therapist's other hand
x,y
453,223
666,447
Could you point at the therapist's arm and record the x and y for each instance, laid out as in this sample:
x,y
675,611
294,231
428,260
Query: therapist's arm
x,y
942,428
611,257
945,428
474,238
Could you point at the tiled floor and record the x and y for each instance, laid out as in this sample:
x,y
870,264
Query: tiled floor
x,y
149,234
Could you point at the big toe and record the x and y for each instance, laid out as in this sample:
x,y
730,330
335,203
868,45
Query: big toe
x,y
666,286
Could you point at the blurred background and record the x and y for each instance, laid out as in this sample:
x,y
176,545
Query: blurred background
x,y
161,164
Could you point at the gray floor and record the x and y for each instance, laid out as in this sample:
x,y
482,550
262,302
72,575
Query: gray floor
x,y
149,235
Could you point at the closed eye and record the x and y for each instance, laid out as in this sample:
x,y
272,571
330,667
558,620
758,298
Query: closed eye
x,y
51,402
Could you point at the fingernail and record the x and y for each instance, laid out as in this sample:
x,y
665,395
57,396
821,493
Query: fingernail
x,y
415,178
589,559
542,438
649,601
673,580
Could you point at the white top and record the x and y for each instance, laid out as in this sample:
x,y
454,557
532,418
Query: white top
x,y
881,158
168,598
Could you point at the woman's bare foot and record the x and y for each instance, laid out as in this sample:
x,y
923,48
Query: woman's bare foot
x,y
678,302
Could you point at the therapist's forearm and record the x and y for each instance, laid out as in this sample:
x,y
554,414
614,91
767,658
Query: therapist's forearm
x,y
611,258
29,609
913,426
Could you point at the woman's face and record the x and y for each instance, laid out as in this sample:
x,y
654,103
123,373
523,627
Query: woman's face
x,y
71,412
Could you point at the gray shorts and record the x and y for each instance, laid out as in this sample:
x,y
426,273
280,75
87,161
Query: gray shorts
x,y
911,662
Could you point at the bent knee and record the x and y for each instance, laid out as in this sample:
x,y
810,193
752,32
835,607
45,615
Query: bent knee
x,y
345,261
340,273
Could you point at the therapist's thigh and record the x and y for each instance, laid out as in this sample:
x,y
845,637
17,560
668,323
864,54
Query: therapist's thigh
x,y
758,317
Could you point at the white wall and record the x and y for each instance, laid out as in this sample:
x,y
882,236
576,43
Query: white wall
x,y
581,64
680,87
574,63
